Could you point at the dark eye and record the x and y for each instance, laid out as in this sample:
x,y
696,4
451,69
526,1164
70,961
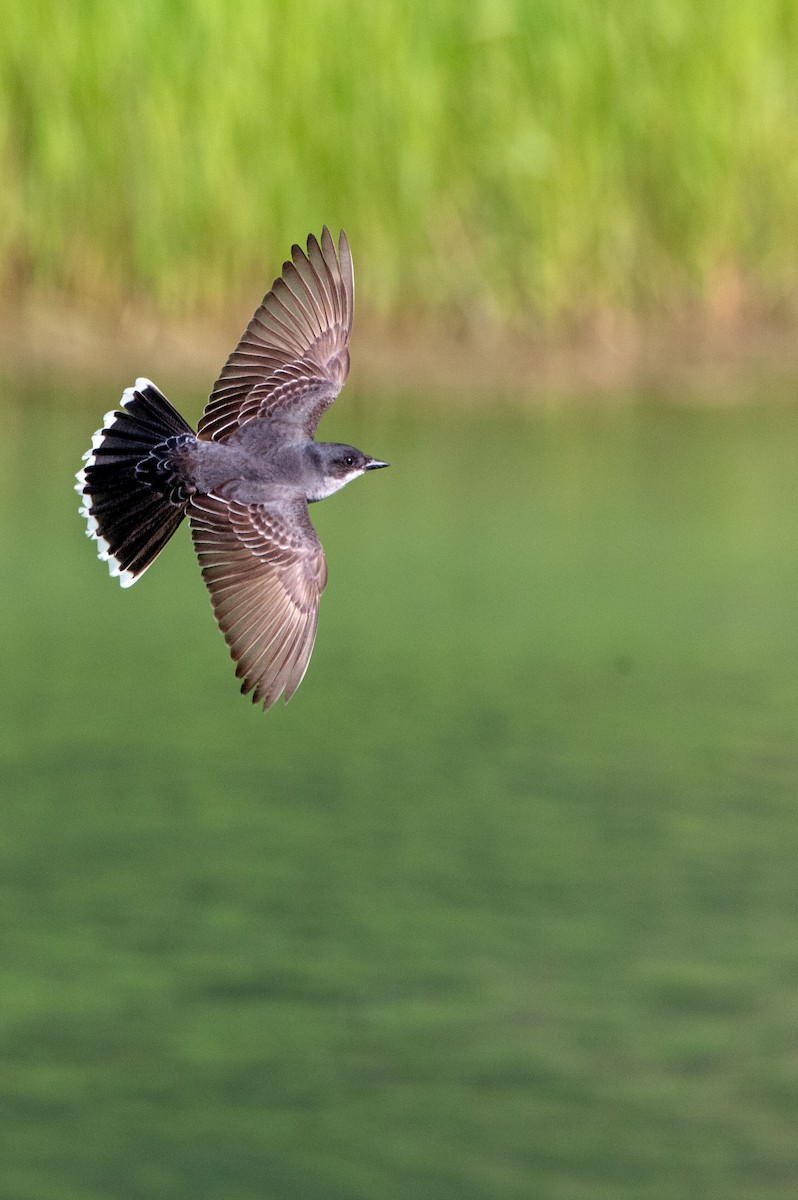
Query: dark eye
x,y
349,461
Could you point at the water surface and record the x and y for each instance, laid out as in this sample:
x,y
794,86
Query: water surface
x,y
502,904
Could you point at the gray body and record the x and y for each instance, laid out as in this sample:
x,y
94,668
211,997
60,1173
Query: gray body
x,y
263,461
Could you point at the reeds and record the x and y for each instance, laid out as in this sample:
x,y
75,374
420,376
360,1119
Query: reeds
x,y
492,162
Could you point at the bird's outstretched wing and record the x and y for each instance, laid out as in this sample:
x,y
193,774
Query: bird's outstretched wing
x,y
293,357
265,569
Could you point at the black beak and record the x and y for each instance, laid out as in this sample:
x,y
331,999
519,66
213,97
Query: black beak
x,y
373,463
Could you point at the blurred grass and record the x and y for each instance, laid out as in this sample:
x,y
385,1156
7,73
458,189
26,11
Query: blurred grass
x,y
501,905
496,162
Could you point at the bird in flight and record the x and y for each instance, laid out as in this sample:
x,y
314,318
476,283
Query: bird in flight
x,y
245,479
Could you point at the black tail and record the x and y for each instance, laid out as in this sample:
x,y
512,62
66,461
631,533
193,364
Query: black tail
x,y
129,518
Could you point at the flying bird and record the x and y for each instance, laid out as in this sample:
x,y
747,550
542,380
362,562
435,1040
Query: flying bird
x,y
246,477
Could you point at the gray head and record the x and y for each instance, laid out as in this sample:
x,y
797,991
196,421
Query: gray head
x,y
338,465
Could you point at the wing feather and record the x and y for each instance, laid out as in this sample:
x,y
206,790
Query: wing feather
x,y
265,570
299,336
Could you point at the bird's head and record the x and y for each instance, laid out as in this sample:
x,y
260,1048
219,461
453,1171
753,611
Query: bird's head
x,y
340,464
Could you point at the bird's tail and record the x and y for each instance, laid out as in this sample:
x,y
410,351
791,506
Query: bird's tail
x,y
133,501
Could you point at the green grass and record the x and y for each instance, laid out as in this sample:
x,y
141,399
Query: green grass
x,y
501,905
493,163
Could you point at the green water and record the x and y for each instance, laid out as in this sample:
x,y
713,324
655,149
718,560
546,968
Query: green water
x,y
504,904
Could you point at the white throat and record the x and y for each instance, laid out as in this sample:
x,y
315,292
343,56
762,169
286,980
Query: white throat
x,y
328,486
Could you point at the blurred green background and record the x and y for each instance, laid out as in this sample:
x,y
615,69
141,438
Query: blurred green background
x,y
504,903
494,161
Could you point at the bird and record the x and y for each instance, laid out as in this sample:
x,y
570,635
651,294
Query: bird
x,y
246,477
